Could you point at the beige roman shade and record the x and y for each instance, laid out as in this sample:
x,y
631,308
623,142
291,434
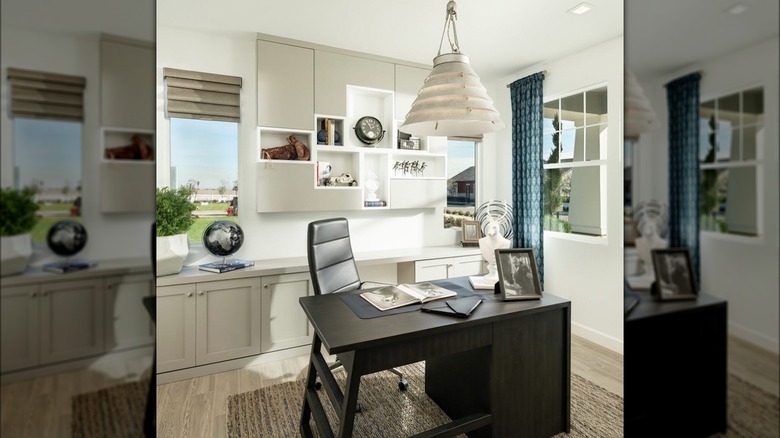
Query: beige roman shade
x,y
205,96
45,95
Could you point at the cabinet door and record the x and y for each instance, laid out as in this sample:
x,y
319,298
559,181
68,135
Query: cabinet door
x,y
285,86
466,265
127,87
20,323
72,320
229,320
128,323
285,324
436,269
175,327
408,81
334,71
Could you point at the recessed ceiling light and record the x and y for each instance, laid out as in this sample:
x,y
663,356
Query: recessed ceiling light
x,y
581,8
737,9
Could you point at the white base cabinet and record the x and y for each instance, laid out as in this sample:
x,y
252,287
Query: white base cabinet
x,y
208,322
51,321
285,324
441,268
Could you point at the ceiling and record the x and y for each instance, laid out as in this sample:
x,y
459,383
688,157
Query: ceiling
x,y
500,36
663,36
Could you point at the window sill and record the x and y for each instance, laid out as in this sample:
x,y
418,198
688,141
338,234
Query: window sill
x,y
732,238
594,240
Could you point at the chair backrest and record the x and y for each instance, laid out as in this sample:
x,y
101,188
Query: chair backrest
x,y
331,262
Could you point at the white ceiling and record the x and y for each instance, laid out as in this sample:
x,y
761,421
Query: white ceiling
x,y
665,35
501,36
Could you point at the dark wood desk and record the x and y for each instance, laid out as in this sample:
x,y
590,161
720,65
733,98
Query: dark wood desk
x,y
675,367
504,371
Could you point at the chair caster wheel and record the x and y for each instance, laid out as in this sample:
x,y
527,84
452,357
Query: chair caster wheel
x,y
403,385
317,385
358,407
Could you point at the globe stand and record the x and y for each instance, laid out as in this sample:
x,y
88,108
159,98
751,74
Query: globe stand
x,y
66,238
223,238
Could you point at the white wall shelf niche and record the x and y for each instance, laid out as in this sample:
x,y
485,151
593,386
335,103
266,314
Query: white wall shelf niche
x,y
126,184
272,137
321,137
363,101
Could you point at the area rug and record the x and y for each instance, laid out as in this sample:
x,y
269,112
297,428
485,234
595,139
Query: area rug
x,y
275,411
752,412
117,411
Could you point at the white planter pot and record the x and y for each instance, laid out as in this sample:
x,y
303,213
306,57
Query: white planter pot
x,y
171,252
15,253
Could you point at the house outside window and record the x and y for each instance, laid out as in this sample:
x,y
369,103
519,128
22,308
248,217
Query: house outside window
x,y
461,181
574,153
730,152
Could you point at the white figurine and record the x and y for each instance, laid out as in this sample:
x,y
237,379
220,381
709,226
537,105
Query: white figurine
x,y
488,245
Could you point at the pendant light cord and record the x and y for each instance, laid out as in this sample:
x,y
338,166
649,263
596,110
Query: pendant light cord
x,y
449,23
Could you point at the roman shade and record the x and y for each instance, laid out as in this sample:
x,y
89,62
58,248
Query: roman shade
x,y
204,96
44,95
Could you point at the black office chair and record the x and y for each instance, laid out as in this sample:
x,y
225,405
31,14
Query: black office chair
x,y
332,266
150,303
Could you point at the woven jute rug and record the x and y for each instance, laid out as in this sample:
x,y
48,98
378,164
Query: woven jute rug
x,y
752,412
117,411
387,412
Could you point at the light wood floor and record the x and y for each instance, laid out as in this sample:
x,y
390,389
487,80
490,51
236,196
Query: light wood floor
x,y
197,407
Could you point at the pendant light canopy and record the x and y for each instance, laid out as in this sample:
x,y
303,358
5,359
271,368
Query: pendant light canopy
x,y
452,101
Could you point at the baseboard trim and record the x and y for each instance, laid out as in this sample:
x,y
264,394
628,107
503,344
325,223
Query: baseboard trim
x,y
598,337
230,365
755,338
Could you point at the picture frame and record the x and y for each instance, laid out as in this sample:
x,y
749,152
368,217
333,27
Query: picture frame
x,y
518,276
674,276
471,231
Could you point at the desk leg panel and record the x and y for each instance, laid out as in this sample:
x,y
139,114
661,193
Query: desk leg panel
x,y
531,381
460,384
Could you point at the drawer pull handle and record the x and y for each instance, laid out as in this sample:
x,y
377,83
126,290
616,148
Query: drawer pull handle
x,y
189,294
201,292
33,295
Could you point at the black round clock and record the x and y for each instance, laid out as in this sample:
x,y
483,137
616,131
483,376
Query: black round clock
x,y
369,130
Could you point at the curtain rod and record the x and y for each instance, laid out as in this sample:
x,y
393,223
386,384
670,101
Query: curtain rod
x,y
543,72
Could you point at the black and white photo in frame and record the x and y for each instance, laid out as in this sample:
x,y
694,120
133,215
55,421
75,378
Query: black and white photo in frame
x,y
674,278
518,277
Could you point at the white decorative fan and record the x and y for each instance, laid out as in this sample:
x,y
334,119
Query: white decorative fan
x,y
499,212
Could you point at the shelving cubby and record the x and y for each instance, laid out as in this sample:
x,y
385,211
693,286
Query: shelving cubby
x,y
343,160
363,101
376,162
320,134
126,181
272,137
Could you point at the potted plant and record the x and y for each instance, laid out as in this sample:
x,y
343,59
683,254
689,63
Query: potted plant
x,y
173,219
17,219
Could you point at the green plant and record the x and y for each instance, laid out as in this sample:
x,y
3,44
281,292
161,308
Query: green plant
x,y
174,210
17,211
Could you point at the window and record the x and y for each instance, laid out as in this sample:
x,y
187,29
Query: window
x,y
204,157
730,149
461,181
574,148
47,157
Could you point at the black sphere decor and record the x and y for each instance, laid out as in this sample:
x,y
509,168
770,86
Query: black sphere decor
x,y
223,238
67,237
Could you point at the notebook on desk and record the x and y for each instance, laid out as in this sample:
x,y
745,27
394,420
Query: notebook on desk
x,y
460,307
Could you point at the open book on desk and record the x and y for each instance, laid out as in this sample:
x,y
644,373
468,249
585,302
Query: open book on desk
x,y
394,296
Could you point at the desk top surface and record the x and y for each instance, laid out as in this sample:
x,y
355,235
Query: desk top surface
x,y
649,307
341,330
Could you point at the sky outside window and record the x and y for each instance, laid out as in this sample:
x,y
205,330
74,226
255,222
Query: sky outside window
x,y
47,153
204,151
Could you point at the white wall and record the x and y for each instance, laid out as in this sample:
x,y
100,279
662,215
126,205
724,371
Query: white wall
x,y
273,235
111,236
586,270
742,270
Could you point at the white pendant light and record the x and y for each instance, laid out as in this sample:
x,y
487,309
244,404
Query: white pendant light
x,y
452,100
639,115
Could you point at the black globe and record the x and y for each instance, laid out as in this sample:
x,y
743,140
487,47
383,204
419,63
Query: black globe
x,y
67,237
223,238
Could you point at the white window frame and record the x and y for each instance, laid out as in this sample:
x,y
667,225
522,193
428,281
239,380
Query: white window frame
x,y
601,163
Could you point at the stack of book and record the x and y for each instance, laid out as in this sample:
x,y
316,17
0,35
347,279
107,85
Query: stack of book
x,y
375,203
66,267
222,267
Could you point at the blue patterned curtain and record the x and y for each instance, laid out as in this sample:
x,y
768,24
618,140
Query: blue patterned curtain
x,y
527,172
682,97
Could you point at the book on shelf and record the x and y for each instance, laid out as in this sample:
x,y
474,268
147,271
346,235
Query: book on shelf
x,y
331,131
221,267
66,267
375,203
394,296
